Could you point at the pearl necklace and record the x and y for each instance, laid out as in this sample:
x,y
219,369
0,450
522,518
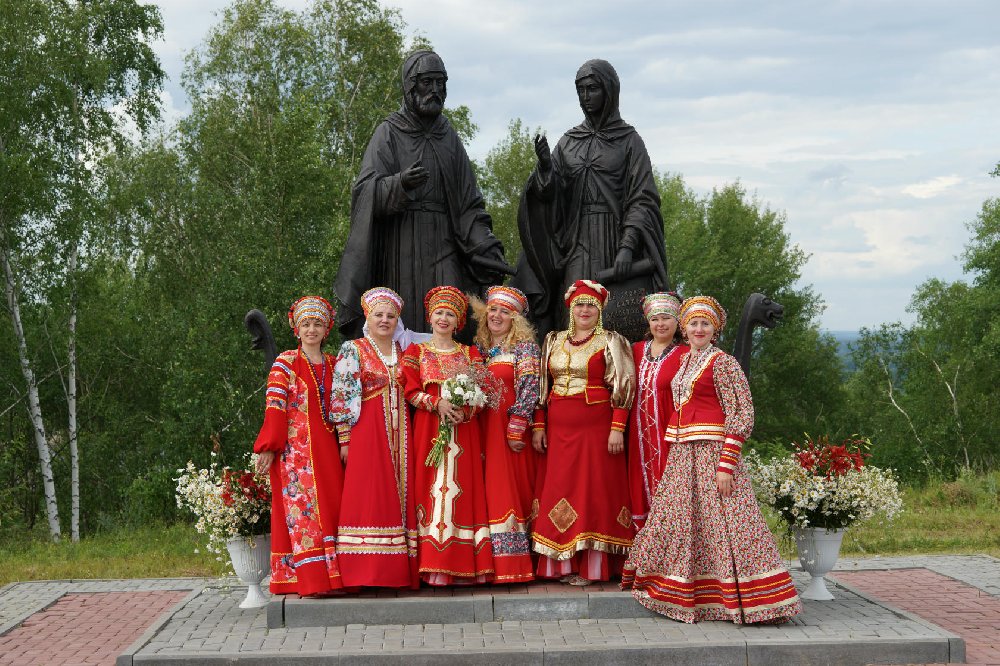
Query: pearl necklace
x,y
388,362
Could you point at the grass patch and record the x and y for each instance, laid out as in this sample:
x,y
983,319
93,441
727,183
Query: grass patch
x,y
960,517
953,517
152,551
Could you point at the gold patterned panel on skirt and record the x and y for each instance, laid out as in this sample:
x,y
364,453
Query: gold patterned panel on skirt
x,y
562,515
625,517
534,510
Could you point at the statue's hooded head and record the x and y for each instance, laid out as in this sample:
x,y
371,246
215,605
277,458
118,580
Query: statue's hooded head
x,y
602,73
424,81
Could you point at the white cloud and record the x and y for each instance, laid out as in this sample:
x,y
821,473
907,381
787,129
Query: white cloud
x,y
931,188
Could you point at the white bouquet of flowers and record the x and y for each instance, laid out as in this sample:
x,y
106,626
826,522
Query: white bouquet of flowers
x,y
227,502
825,485
462,390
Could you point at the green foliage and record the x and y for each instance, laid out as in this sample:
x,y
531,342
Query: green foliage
x,y
926,394
729,245
504,173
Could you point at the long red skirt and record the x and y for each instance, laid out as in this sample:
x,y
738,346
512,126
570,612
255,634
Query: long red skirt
x,y
584,504
510,488
453,529
376,538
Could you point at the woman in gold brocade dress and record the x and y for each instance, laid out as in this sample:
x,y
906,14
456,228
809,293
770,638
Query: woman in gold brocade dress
x,y
584,522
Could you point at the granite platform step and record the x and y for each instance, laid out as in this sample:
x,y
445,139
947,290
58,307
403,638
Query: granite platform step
x,y
295,612
210,629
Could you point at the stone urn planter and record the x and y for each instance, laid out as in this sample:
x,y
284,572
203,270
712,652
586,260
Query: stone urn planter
x,y
818,549
251,558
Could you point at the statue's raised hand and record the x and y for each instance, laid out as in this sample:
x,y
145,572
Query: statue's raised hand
x,y
413,176
543,153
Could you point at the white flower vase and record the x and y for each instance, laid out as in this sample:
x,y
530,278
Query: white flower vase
x,y
819,549
251,558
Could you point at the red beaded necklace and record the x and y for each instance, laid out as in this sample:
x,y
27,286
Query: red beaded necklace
x,y
580,343
324,407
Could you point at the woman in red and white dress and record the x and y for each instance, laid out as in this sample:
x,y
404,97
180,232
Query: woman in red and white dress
x,y
297,445
706,552
507,343
587,387
377,534
656,361
453,528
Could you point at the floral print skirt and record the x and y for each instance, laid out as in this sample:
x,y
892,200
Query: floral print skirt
x,y
704,557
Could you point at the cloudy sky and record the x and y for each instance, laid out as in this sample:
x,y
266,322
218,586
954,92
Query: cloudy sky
x,y
871,124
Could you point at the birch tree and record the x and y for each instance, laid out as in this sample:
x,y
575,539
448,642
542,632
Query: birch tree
x,y
82,78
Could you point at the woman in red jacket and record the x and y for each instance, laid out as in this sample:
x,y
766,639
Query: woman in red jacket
x,y
706,552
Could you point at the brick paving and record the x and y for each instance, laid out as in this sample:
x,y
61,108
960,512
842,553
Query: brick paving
x,y
88,628
963,609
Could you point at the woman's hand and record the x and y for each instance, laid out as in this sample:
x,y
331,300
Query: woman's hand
x,y
616,442
724,481
343,454
264,460
516,445
449,412
538,441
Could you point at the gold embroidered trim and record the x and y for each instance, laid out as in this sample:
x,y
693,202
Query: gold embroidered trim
x,y
563,515
625,517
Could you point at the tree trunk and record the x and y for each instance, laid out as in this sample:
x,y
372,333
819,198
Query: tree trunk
x,y
34,404
74,454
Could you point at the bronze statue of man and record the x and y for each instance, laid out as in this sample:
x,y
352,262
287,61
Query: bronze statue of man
x,y
417,215
591,209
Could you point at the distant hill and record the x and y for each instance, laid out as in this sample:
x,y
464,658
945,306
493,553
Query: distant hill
x,y
845,338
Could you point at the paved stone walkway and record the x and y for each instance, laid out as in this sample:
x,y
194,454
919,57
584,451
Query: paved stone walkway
x,y
89,628
956,606
207,627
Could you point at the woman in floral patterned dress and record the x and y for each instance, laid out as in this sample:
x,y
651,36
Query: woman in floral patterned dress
x,y
377,534
706,552
453,529
587,386
298,446
507,342
656,362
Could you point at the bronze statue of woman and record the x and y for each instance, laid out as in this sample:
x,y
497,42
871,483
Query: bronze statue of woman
x,y
590,209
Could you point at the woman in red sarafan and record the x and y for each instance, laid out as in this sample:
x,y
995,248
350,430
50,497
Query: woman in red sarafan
x,y
376,537
507,343
587,387
453,529
706,552
298,446
656,362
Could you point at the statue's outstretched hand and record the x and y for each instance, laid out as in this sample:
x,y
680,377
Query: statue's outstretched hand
x,y
413,176
543,153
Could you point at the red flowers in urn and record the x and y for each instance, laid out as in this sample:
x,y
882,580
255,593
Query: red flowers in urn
x,y
821,458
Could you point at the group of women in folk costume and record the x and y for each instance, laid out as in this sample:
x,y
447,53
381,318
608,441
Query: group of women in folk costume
x,y
382,477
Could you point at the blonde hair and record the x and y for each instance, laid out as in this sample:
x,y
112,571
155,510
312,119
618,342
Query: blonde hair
x,y
521,329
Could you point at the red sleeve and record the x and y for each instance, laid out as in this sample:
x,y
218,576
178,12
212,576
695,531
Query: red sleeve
x,y
413,386
274,433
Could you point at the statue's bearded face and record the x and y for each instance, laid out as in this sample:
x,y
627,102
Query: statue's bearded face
x,y
429,93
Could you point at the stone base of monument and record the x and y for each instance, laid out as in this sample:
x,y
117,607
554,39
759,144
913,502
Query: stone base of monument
x,y
547,623
525,625
479,605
